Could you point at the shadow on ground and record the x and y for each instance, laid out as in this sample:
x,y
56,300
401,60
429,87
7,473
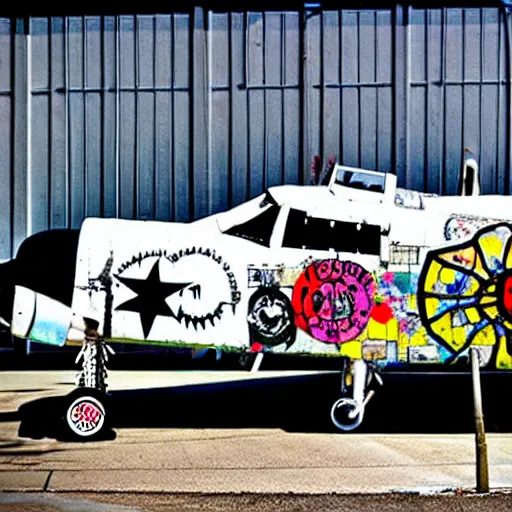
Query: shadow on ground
x,y
415,403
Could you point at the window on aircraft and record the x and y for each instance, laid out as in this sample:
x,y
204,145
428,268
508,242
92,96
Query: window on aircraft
x,y
404,255
317,234
294,232
259,228
305,232
368,241
361,180
345,236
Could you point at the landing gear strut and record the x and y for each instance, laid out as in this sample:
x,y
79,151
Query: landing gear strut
x,y
356,376
86,411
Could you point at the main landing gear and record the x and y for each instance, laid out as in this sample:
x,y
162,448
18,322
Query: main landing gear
x,y
86,411
357,380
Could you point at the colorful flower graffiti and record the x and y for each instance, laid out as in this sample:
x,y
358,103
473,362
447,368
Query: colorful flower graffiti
x,y
332,300
465,294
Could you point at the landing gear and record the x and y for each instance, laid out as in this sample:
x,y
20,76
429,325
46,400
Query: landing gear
x,y
356,377
86,411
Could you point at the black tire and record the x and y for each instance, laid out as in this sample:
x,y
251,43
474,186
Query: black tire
x,y
85,416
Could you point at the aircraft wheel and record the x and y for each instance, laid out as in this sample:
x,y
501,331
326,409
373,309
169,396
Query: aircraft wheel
x,y
85,417
347,414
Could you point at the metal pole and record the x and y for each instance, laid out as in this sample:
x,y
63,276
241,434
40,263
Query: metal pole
x,y
482,466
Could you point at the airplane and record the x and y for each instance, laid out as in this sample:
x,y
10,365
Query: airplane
x,y
381,277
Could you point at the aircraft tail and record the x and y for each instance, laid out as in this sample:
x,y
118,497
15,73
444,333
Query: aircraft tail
x,y
469,184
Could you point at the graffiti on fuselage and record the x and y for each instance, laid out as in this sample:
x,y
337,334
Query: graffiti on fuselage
x,y
332,300
202,285
466,294
460,297
459,227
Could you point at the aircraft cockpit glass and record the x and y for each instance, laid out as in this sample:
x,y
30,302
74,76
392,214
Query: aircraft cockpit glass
x,y
371,182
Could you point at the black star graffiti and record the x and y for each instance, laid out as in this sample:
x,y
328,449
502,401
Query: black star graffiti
x,y
151,295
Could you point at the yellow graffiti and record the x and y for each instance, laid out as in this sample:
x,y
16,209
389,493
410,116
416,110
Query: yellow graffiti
x,y
460,296
503,358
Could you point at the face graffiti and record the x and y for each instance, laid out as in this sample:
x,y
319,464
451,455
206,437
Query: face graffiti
x,y
270,317
332,300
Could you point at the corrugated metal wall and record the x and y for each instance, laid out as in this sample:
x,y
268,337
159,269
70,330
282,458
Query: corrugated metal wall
x,y
177,116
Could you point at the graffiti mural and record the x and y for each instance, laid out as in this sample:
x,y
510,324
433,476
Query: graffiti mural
x,y
202,286
332,300
465,294
270,317
240,280
458,227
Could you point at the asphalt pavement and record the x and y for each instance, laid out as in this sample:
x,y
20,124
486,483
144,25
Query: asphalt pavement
x,y
220,440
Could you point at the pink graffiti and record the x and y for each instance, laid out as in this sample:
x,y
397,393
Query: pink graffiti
x,y
332,300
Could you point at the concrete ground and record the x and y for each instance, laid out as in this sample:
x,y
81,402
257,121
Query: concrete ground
x,y
226,435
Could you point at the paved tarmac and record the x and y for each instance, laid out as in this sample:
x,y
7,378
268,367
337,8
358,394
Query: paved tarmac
x,y
208,433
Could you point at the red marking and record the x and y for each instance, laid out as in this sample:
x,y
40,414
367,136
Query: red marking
x,y
507,295
458,258
256,347
87,413
382,313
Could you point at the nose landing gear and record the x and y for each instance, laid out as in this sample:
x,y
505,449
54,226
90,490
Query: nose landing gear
x,y
347,412
86,414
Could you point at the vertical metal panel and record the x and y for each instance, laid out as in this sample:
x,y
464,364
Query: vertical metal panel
x,y
219,115
145,117
274,39
199,119
238,105
489,97
349,154
418,96
127,142
454,74
367,95
76,127
180,115
292,100
6,109
93,115
109,112
472,59
384,70
39,136
434,96
400,98
163,118
503,108
256,101
313,87
331,75
20,141
58,168
186,101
